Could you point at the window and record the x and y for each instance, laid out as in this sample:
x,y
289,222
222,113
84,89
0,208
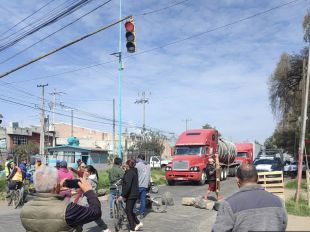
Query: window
x,y
18,140
69,157
188,150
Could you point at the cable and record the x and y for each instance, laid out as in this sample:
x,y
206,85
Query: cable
x,y
75,117
171,43
3,33
52,20
64,46
44,38
161,9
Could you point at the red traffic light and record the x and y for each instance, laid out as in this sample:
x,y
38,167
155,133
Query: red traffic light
x,y
130,27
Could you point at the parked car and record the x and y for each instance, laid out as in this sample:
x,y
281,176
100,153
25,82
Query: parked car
x,y
268,164
290,167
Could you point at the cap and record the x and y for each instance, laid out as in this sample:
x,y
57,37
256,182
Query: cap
x,y
63,164
39,160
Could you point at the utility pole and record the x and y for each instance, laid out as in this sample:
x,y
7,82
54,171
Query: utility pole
x,y
113,127
186,122
143,100
42,133
303,128
54,94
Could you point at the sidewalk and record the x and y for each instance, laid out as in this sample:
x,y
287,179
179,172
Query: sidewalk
x,y
297,223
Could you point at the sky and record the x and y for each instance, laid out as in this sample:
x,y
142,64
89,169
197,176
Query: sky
x,y
219,77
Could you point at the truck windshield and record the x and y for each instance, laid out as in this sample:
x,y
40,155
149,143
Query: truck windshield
x,y
242,154
188,150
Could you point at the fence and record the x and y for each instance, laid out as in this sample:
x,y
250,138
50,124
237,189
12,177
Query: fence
x,y
272,182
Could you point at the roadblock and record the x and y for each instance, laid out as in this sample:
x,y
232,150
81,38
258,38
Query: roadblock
x,y
272,182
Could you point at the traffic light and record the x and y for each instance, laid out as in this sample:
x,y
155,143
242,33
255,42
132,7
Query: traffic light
x,y
130,36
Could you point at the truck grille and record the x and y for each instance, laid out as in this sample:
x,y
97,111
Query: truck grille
x,y
180,165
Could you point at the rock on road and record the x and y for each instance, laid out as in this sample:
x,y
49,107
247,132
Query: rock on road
x,y
177,217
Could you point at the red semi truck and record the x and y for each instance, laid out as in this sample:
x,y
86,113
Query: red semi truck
x,y
247,151
191,153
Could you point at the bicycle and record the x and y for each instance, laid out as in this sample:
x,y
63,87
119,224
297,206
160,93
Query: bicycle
x,y
17,196
119,214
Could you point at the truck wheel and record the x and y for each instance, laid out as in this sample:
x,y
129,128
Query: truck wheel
x,y
170,182
225,173
222,174
202,178
163,166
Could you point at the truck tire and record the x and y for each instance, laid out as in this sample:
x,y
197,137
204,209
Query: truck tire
x,y
202,178
170,182
163,166
222,174
225,173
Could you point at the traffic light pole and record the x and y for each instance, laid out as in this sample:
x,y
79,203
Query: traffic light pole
x,y
120,69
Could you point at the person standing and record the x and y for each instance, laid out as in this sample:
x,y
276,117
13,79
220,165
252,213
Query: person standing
x,y
211,177
251,208
39,164
47,212
130,194
63,174
8,165
115,174
91,175
144,175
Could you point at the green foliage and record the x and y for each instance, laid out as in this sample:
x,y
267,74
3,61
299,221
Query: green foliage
x,y
103,180
25,150
300,209
2,184
293,184
150,141
285,94
207,126
1,167
158,176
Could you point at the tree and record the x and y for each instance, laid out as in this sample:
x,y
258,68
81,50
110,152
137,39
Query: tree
x,y
25,150
207,126
306,26
151,142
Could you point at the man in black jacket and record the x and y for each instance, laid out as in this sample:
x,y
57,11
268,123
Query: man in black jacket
x,y
130,192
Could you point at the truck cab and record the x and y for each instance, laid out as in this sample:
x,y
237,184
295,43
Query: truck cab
x,y
244,153
191,154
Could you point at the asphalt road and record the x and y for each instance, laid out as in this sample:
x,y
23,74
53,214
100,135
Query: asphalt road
x,y
177,217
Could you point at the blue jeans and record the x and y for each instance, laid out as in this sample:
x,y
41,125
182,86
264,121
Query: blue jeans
x,y
112,196
142,192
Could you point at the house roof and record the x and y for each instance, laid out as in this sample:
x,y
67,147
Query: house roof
x,y
75,148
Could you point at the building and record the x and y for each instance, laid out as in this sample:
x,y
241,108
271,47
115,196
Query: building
x,y
71,152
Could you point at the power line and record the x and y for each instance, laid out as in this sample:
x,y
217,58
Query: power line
x,y
53,19
60,29
162,9
3,33
171,43
80,118
64,46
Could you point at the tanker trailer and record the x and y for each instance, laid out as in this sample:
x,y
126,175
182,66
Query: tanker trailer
x,y
227,153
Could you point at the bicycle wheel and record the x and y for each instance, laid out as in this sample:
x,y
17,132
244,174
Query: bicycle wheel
x,y
116,216
16,198
159,204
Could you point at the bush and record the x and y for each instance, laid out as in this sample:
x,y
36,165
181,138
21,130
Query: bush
x,y
103,180
300,209
1,167
293,184
158,176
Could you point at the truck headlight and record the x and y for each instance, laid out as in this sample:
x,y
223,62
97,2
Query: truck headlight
x,y
194,169
168,168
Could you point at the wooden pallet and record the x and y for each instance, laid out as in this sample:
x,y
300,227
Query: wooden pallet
x,y
272,182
